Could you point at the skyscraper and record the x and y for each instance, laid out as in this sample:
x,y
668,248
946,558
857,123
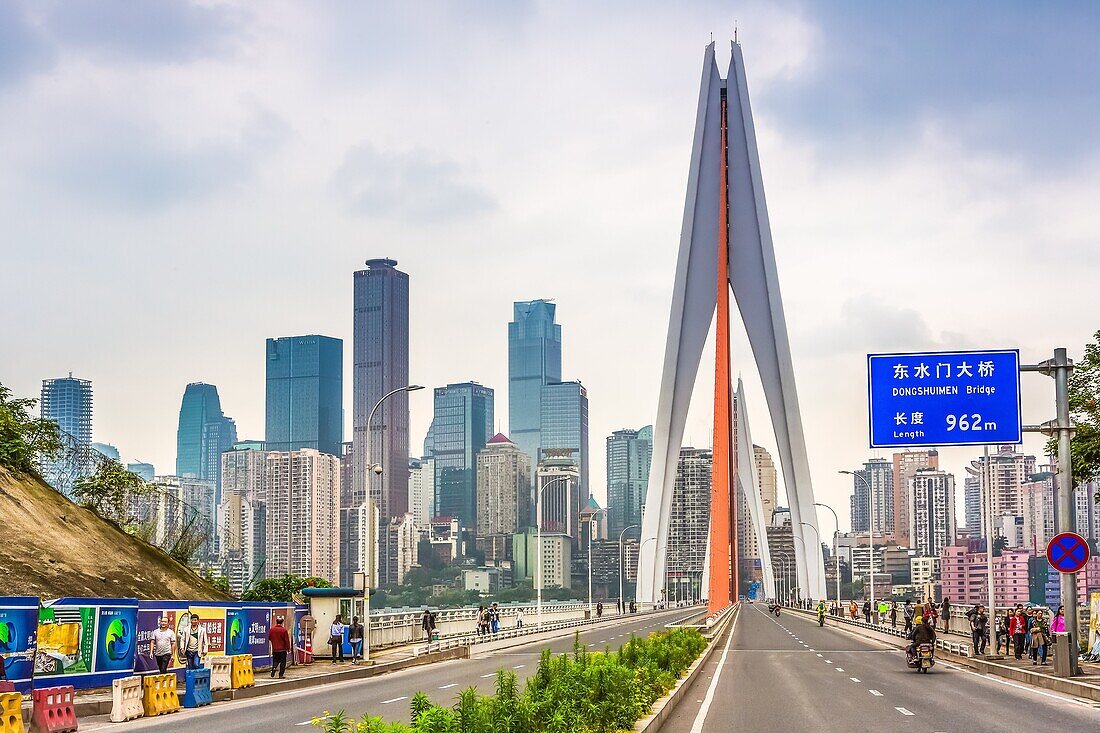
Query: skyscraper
x,y
302,494
877,475
906,465
558,479
305,387
628,458
689,526
931,511
769,482
503,487
1006,472
534,359
380,365
461,426
67,402
564,424
422,489
204,433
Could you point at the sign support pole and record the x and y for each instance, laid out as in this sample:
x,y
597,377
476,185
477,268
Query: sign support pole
x,y
987,475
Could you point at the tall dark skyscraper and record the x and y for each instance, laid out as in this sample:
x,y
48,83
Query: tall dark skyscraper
x,y
564,424
381,364
67,402
204,434
461,426
534,360
628,458
305,384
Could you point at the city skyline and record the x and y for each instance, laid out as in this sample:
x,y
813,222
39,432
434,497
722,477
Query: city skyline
x,y
144,170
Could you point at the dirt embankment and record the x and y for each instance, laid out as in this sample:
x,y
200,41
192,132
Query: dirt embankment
x,y
50,547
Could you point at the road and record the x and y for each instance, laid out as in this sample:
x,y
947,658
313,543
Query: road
x,y
787,674
387,695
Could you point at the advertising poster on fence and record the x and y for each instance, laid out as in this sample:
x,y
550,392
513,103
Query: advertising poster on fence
x,y
18,638
1094,619
86,642
148,620
259,621
213,618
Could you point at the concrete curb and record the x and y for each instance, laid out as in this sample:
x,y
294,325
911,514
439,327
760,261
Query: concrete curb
x,y
1076,688
664,707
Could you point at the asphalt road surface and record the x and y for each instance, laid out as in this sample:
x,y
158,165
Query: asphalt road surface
x,y
787,674
387,695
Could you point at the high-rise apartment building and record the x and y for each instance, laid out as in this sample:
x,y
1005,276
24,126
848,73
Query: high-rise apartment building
x,y
68,402
972,502
768,479
302,491
1002,477
689,524
876,476
565,426
931,511
305,387
534,360
1037,507
360,529
422,489
558,481
628,457
963,577
181,508
398,549
503,487
204,433
1087,511
242,520
462,424
380,356
906,464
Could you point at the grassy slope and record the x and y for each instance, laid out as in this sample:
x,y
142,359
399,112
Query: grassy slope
x,y
50,547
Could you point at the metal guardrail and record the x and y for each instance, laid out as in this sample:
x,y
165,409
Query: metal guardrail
x,y
947,645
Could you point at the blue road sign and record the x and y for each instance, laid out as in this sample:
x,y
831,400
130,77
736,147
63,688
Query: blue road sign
x,y
944,398
1068,552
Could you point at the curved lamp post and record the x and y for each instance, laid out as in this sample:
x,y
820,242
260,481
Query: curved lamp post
x,y
538,540
591,524
870,530
836,547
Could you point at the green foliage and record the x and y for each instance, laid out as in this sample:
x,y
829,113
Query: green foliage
x,y
340,723
1084,410
281,589
584,692
108,491
218,581
25,440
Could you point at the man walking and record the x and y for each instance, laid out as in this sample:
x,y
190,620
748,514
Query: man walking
x,y
279,639
979,625
193,643
867,611
908,613
1017,629
355,638
494,618
894,614
163,645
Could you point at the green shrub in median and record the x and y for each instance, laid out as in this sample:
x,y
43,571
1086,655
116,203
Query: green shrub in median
x,y
582,692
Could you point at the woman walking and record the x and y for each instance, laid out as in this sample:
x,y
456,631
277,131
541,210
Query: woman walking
x,y
336,638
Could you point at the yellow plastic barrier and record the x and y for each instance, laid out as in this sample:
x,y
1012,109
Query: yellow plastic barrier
x,y
242,674
11,708
159,694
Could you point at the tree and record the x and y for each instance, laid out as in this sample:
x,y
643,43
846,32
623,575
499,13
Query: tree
x,y
1084,410
282,589
1000,544
24,440
109,490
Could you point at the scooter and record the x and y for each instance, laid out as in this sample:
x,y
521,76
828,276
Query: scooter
x,y
820,618
922,660
775,609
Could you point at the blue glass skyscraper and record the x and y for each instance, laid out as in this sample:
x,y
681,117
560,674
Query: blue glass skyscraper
x,y
204,433
305,385
534,360
68,402
564,424
461,426
628,457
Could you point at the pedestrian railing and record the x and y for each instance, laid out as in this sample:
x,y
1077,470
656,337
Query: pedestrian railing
x,y
947,645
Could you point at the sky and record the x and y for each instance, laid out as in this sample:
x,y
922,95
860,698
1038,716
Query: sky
x,y
181,180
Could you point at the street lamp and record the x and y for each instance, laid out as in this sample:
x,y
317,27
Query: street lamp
x,y
538,541
786,572
622,560
591,522
836,547
640,548
870,529
816,534
798,588
377,469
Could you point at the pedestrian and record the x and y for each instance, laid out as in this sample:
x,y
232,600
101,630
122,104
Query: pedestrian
x,y
336,638
867,611
192,643
426,623
1040,638
519,618
979,623
494,618
162,646
633,607
1058,624
599,610
1001,631
279,639
945,612
355,638
852,609
882,609
908,613
893,614
1017,629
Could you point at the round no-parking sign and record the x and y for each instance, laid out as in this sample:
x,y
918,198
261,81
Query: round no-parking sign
x,y
1068,552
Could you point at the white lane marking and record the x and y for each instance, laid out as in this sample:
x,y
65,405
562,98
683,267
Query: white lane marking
x,y
840,669
592,644
305,722
491,674
396,699
519,666
854,679
828,661
903,711
447,687
876,693
701,717
819,655
1000,681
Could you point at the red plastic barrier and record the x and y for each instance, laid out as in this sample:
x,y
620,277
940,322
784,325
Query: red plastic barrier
x,y
6,685
53,710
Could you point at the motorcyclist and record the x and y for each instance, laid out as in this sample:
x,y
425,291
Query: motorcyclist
x,y
922,633
822,609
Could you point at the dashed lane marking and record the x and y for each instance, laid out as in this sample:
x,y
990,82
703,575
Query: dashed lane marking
x,y
903,711
519,666
396,699
854,679
876,693
491,674
818,654
840,669
447,687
